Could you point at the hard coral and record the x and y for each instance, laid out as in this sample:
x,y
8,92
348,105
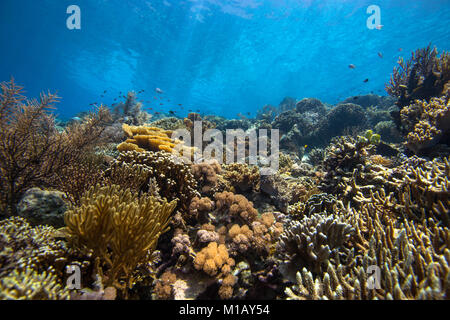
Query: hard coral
x,y
313,240
173,177
242,177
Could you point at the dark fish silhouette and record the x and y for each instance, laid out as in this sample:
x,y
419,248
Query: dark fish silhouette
x,y
380,54
351,66
171,112
366,80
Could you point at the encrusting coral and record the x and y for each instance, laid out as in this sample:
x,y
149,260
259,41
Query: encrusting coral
x,y
120,229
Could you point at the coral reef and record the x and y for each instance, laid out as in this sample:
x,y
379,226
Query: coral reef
x,y
358,209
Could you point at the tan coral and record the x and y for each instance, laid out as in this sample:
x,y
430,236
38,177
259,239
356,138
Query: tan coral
x,y
213,259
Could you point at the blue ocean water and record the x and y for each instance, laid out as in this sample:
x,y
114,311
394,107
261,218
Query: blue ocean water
x,y
218,56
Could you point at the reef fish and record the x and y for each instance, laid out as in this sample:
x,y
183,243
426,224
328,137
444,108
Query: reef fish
x,y
158,90
351,66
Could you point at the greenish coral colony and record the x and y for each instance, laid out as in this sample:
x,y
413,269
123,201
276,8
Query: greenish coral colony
x,y
358,193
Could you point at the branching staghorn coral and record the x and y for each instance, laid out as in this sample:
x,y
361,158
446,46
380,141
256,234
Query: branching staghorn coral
x,y
235,206
412,259
416,190
31,254
120,229
130,111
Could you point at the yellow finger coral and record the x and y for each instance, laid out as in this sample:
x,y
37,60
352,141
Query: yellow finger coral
x,y
119,228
